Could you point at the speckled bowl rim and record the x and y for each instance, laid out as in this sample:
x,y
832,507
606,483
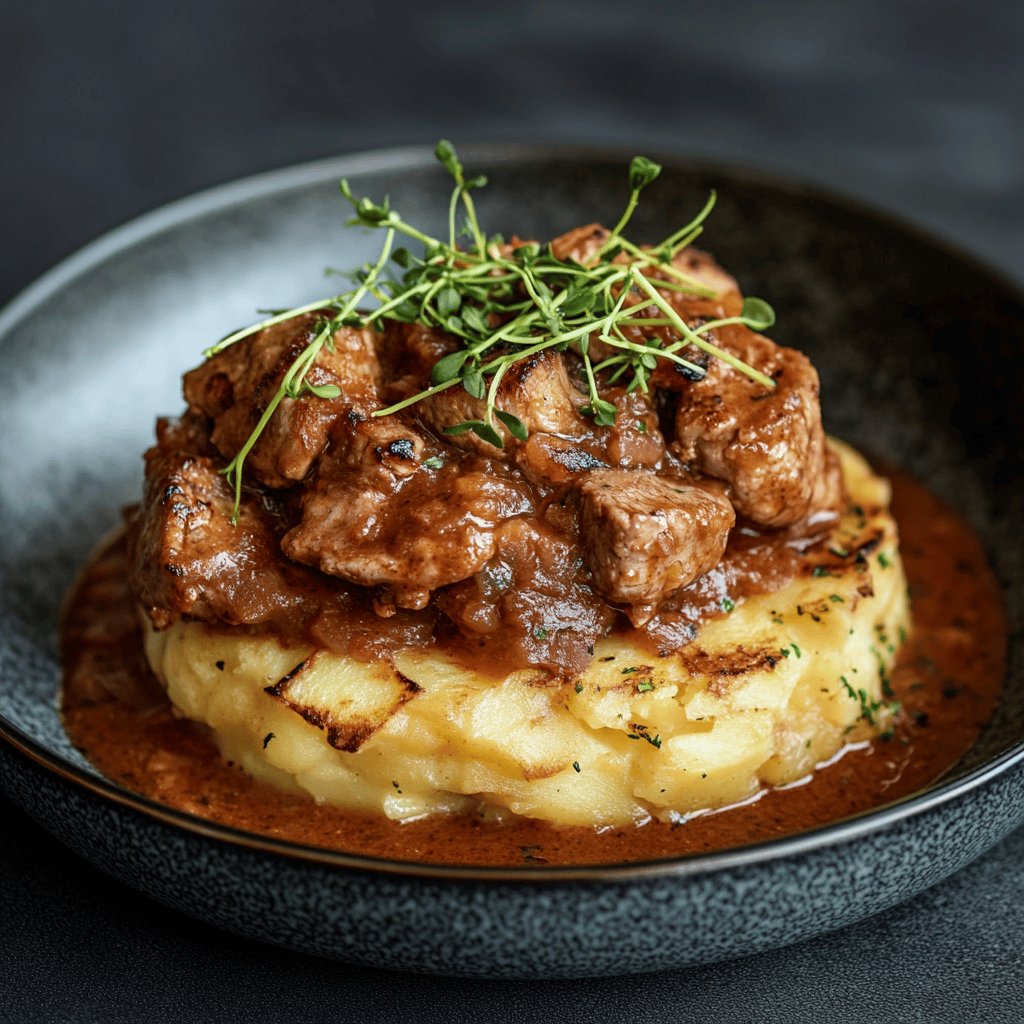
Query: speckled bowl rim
x,y
406,158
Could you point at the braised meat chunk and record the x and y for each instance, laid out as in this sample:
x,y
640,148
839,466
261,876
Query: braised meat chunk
x,y
532,603
536,390
646,536
235,386
768,446
522,449
189,559
382,514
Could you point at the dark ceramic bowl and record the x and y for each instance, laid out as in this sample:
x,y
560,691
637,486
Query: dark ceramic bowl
x,y
920,351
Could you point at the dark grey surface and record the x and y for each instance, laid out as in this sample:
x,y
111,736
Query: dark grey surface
x,y
109,109
104,954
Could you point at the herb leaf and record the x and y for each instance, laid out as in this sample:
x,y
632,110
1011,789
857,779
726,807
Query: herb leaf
x,y
502,307
515,425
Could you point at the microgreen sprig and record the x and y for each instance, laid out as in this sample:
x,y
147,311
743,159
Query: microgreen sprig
x,y
504,305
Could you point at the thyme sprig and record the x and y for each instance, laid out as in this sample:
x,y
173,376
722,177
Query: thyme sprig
x,y
505,304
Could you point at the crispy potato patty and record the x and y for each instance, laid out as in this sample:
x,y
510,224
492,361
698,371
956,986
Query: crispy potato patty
x,y
763,695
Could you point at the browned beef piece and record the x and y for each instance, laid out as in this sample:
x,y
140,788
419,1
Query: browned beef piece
x,y
235,386
532,603
646,535
537,390
767,445
580,244
392,511
699,266
529,550
549,460
827,502
410,350
189,560
633,441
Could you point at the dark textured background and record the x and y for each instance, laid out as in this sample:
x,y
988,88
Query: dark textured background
x,y
108,109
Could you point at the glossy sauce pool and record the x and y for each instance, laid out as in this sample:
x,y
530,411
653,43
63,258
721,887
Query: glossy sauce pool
x,y
948,677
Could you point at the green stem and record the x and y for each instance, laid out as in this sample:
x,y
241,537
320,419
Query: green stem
x,y
696,339
634,197
278,318
296,373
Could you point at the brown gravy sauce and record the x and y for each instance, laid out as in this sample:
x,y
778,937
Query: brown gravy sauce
x,y
948,676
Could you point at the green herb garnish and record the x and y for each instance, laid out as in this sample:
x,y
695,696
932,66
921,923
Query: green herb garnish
x,y
508,306
869,708
641,733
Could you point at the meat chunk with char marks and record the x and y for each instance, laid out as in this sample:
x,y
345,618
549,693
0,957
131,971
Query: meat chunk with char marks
x,y
407,354
701,267
537,390
767,445
188,559
386,513
532,603
633,441
647,535
581,244
235,386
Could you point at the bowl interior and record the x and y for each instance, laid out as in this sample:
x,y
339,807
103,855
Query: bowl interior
x,y
919,350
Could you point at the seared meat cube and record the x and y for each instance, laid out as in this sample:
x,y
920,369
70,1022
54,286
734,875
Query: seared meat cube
x,y
532,603
704,269
536,390
827,502
768,446
410,351
383,515
235,386
548,460
646,535
188,559
581,244
633,441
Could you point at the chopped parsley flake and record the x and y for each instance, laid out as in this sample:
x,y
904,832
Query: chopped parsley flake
x,y
644,686
576,766
434,462
267,739
883,560
642,734
728,604
869,708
